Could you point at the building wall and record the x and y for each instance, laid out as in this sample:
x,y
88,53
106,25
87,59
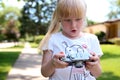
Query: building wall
x,y
111,28
119,29
96,28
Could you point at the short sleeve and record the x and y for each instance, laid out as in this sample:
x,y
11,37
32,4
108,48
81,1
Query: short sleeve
x,y
95,45
49,45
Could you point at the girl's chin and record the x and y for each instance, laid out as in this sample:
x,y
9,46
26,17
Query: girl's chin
x,y
73,36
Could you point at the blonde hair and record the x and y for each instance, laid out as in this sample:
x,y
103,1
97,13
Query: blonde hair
x,y
64,9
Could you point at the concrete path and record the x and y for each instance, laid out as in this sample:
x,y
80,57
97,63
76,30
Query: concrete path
x,y
27,66
8,44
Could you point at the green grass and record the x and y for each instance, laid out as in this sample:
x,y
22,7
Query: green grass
x,y
7,59
110,62
34,45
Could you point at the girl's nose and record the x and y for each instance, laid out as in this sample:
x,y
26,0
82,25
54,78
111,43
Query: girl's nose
x,y
73,23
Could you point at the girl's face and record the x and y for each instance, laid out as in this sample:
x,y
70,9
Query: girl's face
x,y
71,27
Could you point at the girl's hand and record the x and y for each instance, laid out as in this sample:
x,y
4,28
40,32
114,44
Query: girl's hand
x,y
94,60
94,65
57,63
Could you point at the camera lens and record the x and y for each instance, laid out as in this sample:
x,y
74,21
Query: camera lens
x,y
79,64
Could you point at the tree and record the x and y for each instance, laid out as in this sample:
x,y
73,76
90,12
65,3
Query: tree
x,y
2,7
36,15
10,23
9,29
90,22
115,9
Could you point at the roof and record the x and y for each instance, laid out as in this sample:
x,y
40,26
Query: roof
x,y
111,21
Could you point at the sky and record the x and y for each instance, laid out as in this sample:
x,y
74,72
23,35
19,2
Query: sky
x,y
96,9
14,3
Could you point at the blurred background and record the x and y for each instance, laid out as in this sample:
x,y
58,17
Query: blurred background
x,y
24,21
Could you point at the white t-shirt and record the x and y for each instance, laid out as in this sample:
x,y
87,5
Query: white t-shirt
x,y
60,43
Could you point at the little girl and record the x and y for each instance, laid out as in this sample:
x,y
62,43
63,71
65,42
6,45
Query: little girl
x,y
65,38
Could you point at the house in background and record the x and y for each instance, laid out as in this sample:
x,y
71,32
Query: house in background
x,y
110,28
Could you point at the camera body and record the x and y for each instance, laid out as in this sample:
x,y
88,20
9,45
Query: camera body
x,y
77,59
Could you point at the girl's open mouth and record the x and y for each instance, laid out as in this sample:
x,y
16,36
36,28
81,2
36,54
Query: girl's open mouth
x,y
73,31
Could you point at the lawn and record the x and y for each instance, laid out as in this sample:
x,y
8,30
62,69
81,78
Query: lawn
x,y
110,62
7,59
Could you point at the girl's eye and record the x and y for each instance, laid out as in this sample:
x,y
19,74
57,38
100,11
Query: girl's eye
x,y
67,20
78,19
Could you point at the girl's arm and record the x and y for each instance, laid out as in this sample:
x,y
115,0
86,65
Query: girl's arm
x,y
50,63
47,68
94,66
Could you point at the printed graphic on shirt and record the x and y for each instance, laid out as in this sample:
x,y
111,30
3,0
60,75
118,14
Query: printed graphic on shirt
x,y
76,52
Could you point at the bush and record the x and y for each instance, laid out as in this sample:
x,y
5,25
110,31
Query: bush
x,y
100,35
38,39
115,41
2,37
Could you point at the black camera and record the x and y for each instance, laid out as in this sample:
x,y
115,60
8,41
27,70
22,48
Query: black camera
x,y
77,59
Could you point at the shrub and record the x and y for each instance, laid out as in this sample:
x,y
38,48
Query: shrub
x,y
100,35
115,41
38,39
2,37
